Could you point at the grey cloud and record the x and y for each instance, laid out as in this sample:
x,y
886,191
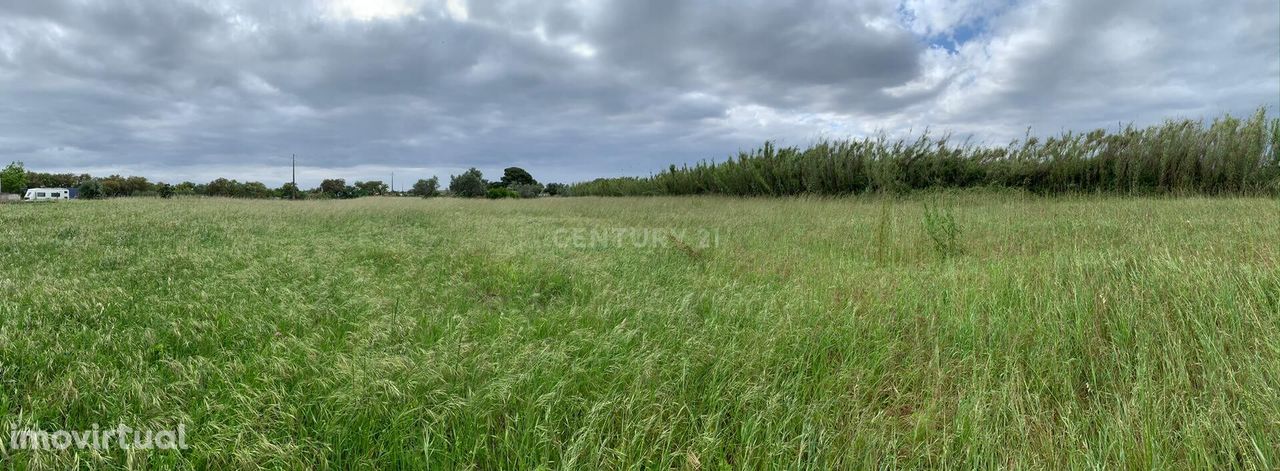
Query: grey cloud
x,y
573,90
789,54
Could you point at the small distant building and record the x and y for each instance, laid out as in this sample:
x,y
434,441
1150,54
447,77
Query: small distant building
x,y
49,194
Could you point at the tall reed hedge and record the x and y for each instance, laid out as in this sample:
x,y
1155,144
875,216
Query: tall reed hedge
x,y
1228,156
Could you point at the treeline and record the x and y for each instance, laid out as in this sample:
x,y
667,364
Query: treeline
x,y
1228,156
15,179
515,183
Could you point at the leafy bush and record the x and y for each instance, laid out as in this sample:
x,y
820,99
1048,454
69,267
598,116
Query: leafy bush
x,y
186,189
236,189
165,190
289,191
351,192
13,179
373,188
333,187
527,190
427,188
470,184
557,189
90,189
500,193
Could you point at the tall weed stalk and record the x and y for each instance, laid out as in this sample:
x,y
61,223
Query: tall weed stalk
x,y
943,231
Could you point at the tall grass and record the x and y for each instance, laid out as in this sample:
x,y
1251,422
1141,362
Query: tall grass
x,y
1072,333
1226,156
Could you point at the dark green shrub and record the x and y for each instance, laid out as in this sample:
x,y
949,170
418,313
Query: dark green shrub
x,y
527,190
427,188
470,184
13,179
289,191
373,188
350,192
557,189
500,193
333,187
90,189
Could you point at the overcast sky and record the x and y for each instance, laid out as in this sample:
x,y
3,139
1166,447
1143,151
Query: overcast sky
x,y
571,90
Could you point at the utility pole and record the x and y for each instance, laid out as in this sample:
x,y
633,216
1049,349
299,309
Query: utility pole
x,y
393,183
294,194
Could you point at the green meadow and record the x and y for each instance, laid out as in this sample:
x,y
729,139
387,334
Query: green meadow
x,y
962,329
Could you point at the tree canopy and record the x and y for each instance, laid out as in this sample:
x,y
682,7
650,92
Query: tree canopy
x,y
517,176
470,184
13,179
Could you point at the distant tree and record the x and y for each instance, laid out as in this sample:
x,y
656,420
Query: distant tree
x,y
470,184
221,187
333,187
185,188
373,188
90,189
51,180
138,185
352,192
13,179
517,176
289,191
39,180
165,190
113,186
256,190
557,189
427,188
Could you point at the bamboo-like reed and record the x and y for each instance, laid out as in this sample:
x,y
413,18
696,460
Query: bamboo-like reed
x,y
1228,156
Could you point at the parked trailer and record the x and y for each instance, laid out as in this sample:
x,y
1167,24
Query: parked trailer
x,y
47,194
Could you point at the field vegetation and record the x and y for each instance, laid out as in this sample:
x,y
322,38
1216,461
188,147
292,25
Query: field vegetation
x,y
969,329
1228,156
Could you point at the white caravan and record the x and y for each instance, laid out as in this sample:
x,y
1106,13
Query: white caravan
x,y
47,194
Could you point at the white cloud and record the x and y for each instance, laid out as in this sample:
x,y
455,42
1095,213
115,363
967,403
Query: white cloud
x,y
457,10
373,9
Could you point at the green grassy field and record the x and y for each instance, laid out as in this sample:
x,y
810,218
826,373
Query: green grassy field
x,y
695,332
